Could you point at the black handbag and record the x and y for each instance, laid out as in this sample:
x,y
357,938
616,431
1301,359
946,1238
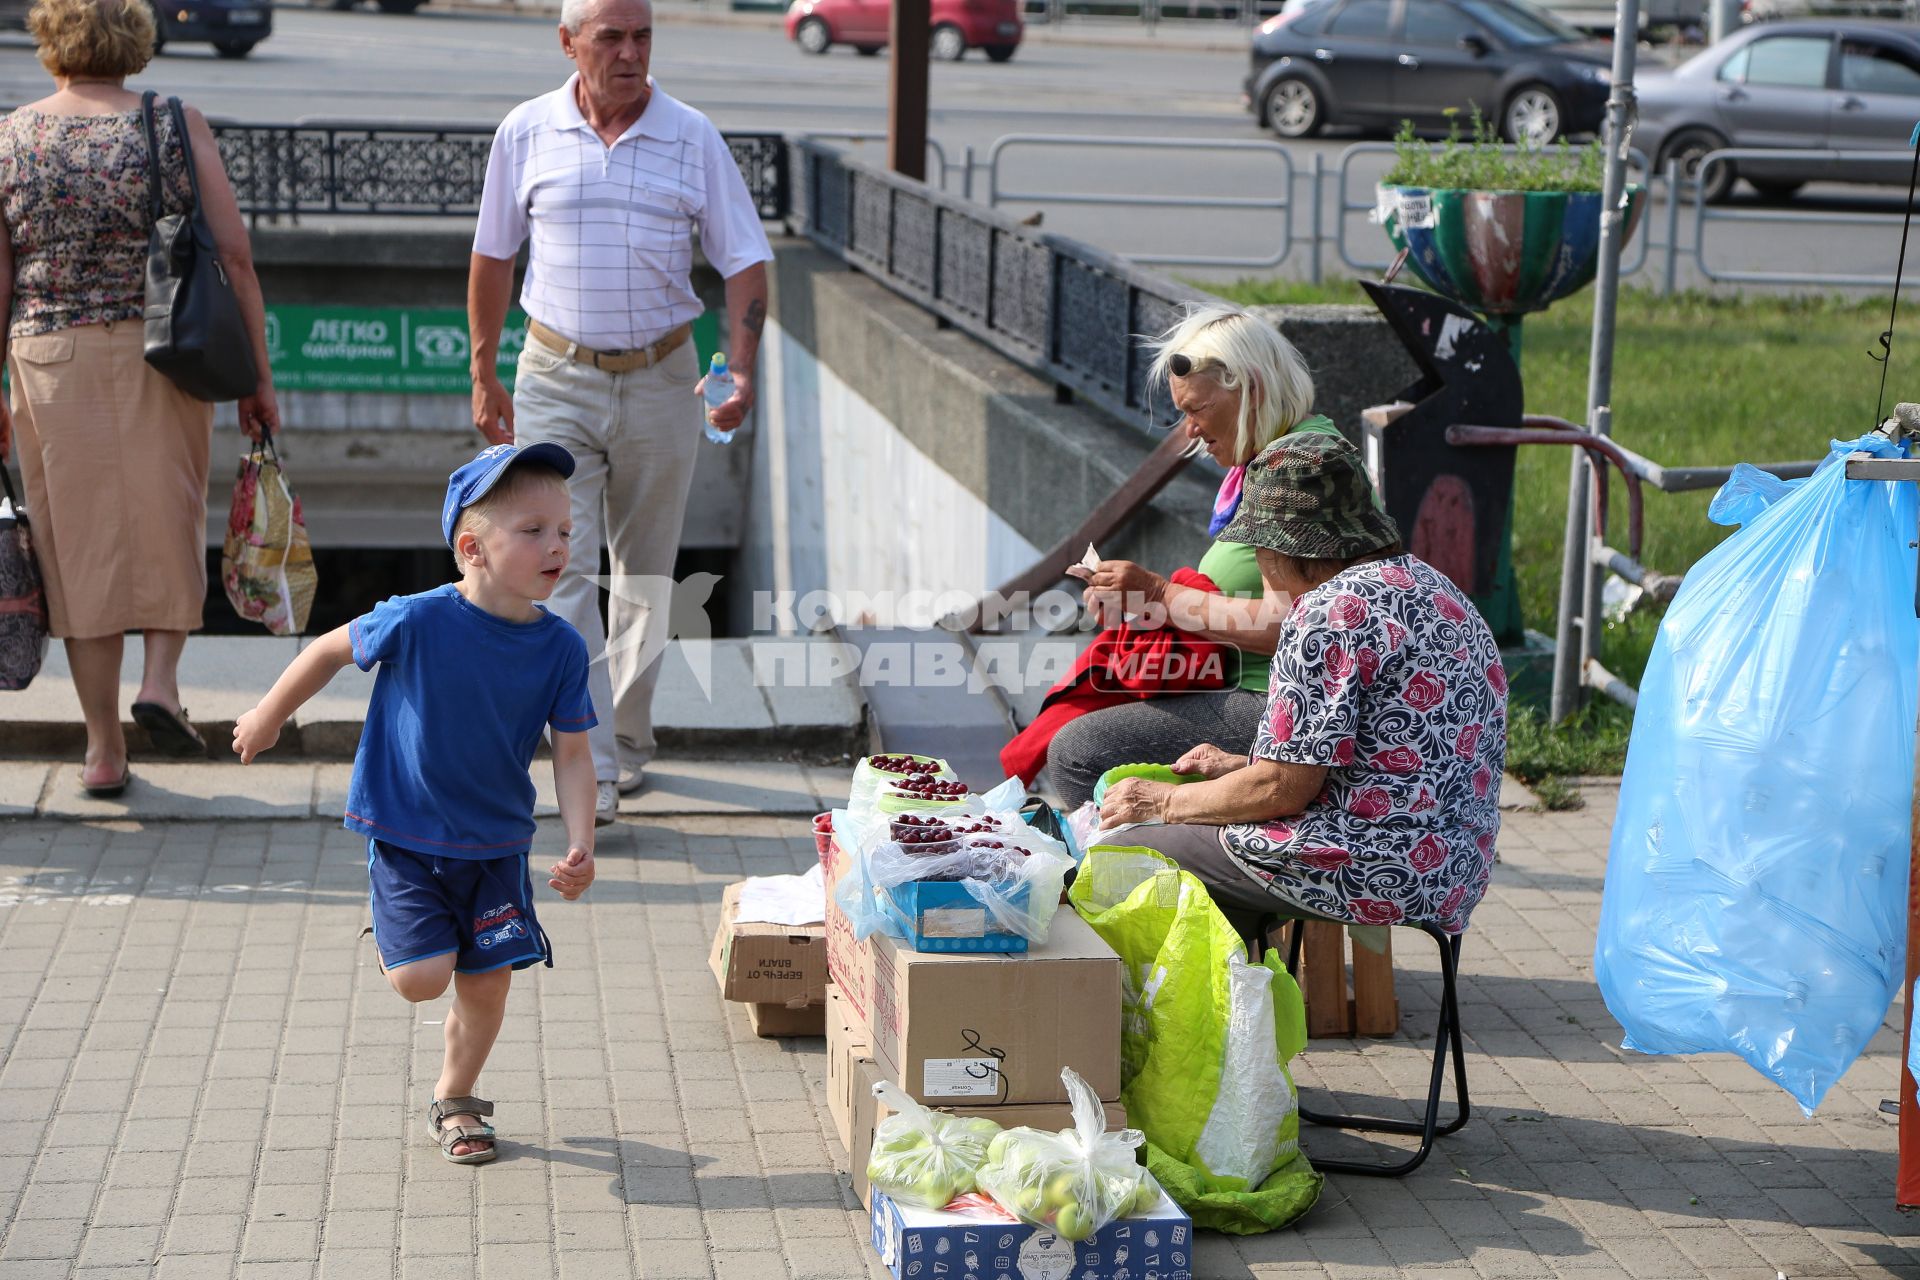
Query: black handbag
x,y
195,332
23,600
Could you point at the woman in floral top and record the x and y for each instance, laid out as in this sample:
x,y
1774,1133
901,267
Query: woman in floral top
x,y
1371,794
115,457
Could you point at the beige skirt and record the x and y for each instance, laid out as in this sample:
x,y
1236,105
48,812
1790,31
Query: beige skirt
x,y
115,460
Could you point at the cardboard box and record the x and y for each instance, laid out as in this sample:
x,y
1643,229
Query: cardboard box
x,y
849,960
869,1111
846,1047
940,915
914,1243
996,1029
776,1021
774,964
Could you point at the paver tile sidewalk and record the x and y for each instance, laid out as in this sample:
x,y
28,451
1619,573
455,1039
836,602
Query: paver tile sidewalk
x,y
203,1075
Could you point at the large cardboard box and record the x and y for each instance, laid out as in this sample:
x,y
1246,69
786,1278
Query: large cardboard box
x,y
869,1111
775,964
846,1048
777,1021
849,960
915,1243
996,1029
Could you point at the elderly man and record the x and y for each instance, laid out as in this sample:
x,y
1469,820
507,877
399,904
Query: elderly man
x,y
609,177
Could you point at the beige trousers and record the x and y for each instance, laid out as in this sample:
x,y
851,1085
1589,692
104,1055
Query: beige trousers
x,y
633,436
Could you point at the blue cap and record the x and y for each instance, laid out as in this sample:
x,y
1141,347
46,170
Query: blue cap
x,y
472,481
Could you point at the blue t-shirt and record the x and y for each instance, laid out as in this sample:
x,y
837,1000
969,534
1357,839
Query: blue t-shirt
x,y
458,708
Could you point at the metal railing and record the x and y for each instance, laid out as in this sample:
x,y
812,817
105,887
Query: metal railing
x,y
1706,215
334,168
1282,203
1063,308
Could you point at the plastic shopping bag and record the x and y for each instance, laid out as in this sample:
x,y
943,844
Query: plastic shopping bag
x,y
1204,1042
23,599
1075,1181
877,773
266,564
925,1157
1757,876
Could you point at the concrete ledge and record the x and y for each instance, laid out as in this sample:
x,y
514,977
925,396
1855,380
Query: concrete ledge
x,y
714,700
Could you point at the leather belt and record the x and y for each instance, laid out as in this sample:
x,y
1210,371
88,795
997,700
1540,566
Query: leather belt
x,y
610,361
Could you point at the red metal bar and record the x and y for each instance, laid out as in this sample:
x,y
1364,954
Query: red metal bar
x,y
1567,434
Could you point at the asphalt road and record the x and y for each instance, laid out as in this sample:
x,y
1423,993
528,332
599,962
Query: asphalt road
x,y
468,69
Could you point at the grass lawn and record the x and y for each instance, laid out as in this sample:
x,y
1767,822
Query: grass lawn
x,y
1698,380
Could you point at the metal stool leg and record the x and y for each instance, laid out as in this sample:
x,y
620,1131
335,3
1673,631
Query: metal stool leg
x,y
1447,1041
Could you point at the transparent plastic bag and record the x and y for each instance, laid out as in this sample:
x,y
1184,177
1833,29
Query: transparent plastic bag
x,y
925,1157
873,775
1012,871
1075,1181
1756,880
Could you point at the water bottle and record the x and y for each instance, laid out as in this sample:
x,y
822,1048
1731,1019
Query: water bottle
x,y
718,390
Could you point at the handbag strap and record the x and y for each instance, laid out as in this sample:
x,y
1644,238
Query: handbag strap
x,y
186,147
153,156
6,483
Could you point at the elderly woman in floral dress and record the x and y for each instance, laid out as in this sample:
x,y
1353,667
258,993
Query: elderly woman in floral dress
x,y
1371,794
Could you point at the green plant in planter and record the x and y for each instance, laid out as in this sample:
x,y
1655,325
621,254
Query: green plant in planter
x,y
1487,164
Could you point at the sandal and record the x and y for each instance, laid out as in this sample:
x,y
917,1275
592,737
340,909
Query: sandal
x,y
108,790
170,732
451,1136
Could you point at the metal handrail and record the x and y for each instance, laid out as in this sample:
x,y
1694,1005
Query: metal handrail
x,y
1705,214
1283,204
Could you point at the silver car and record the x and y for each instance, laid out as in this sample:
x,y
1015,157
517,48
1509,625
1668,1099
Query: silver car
x,y
1830,84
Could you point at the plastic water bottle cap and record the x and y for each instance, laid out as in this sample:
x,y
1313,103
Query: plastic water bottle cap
x,y
719,363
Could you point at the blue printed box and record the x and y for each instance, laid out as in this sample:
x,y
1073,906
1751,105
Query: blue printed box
x,y
938,1244
940,915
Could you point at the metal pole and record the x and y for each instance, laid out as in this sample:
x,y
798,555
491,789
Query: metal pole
x,y
1579,582
909,24
1723,19
1673,229
1319,213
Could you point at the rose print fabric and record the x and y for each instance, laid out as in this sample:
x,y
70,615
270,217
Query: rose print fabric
x,y
1389,677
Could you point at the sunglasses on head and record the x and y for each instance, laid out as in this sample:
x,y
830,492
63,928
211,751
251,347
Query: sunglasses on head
x,y
1179,365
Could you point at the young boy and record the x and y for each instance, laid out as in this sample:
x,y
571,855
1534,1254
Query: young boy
x,y
470,675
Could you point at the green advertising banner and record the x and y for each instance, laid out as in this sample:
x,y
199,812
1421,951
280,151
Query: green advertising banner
x,y
410,350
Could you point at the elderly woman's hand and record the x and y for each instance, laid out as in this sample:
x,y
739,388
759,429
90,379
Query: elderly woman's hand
x,y
1210,761
1135,800
1117,588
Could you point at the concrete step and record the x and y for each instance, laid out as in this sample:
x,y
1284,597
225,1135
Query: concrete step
x,y
738,698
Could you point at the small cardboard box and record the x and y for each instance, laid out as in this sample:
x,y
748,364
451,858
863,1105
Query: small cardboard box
x,y
941,915
915,1243
774,964
869,1111
849,959
996,1029
846,1048
777,1021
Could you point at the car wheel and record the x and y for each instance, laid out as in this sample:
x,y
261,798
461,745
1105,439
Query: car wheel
x,y
1688,148
399,6
341,6
867,50
233,48
1775,190
949,45
813,36
1533,117
1001,52
1293,109
159,43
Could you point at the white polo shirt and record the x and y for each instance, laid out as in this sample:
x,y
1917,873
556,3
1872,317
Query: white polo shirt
x,y
612,227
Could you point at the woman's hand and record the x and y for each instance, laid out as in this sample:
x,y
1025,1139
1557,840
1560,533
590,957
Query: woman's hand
x,y
259,412
1116,588
1210,762
1135,800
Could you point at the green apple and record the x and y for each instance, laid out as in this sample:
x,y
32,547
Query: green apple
x,y
997,1147
1062,1189
1146,1196
1073,1223
982,1128
1028,1203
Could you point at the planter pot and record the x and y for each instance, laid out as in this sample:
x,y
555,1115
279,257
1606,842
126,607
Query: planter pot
x,y
1501,253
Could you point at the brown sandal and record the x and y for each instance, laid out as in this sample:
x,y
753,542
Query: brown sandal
x,y
450,1136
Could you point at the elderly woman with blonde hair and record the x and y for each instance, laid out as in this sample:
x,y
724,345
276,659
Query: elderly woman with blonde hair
x,y
114,456
1238,385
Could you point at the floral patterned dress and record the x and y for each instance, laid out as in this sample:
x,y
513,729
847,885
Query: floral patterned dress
x,y
1387,676
73,190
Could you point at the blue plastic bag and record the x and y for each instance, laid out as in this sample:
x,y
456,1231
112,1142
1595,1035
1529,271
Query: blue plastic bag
x,y
1756,883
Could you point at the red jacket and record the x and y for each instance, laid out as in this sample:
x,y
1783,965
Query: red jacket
x,y
1123,664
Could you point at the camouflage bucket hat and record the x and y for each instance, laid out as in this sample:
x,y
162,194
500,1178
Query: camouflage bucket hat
x,y
1308,495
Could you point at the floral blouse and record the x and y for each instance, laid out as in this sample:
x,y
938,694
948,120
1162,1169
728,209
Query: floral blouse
x,y
73,191
1388,676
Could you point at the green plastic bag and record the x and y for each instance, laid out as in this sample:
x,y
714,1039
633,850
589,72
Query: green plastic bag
x,y
1204,1042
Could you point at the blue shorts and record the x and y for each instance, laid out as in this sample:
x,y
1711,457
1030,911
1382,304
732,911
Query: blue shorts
x,y
479,910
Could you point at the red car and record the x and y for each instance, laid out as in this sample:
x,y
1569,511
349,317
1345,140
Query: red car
x,y
958,25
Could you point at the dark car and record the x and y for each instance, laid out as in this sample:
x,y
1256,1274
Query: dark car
x,y
232,27
1377,62
1834,84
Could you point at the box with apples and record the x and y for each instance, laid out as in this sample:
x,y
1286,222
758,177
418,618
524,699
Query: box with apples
x,y
974,1240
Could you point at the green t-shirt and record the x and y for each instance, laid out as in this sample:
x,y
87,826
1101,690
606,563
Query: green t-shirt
x,y
1234,570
